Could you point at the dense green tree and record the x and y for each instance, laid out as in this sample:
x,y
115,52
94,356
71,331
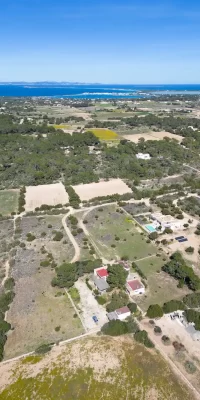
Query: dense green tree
x,y
154,311
117,276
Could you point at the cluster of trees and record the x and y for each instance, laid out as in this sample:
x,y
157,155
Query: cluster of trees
x,y
117,276
21,200
192,300
177,268
119,299
68,273
117,327
156,311
193,316
74,199
190,205
5,299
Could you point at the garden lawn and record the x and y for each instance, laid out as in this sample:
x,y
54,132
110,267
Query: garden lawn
x,y
8,201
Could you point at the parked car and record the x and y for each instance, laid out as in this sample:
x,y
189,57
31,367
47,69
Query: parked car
x,y
95,319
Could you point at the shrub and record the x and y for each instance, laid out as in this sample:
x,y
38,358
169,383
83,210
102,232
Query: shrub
x,y
9,284
154,311
58,236
57,328
151,322
45,263
115,328
178,346
49,226
132,307
30,237
190,249
43,234
43,349
101,300
157,330
88,285
166,340
190,367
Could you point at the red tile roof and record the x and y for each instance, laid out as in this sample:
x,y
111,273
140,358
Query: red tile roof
x,y
135,284
122,310
102,272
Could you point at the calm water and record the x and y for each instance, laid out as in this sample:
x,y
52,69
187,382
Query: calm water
x,y
92,91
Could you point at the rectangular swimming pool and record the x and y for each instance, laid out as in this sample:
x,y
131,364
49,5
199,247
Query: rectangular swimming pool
x,y
150,228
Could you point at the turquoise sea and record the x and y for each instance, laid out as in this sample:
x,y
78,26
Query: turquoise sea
x,y
91,91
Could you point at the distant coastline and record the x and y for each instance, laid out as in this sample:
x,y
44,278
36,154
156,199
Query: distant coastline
x,y
77,90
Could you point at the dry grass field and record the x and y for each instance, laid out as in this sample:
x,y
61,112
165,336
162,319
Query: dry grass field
x,y
45,194
38,308
91,190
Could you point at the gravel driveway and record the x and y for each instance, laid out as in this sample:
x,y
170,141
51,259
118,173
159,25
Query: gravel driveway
x,y
90,307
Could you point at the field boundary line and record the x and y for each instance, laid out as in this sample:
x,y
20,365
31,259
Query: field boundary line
x,y
76,309
61,343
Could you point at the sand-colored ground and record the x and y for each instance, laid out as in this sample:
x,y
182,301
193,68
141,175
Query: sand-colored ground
x,y
193,241
152,136
45,194
91,190
93,368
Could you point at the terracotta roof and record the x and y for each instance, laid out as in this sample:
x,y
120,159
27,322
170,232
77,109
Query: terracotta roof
x,y
135,284
102,272
122,310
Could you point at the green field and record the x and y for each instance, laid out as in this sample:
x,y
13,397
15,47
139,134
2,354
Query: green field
x,y
151,265
92,369
8,201
111,226
104,134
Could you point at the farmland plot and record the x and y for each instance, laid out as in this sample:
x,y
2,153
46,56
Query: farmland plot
x,y
52,195
8,201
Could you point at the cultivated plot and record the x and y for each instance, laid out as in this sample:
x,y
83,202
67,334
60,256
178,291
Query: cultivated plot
x,y
8,201
104,134
45,194
91,190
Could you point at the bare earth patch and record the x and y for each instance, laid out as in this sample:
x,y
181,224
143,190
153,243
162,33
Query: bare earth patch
x,y
91,190
152,136
45,194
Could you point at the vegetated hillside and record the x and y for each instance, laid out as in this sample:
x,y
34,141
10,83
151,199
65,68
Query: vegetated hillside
x,y
91,369
33,154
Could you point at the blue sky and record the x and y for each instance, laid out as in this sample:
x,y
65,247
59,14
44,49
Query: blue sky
x,y
108,41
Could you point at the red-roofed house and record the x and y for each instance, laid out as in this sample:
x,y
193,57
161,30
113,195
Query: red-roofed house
x,y
101,273
135,287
